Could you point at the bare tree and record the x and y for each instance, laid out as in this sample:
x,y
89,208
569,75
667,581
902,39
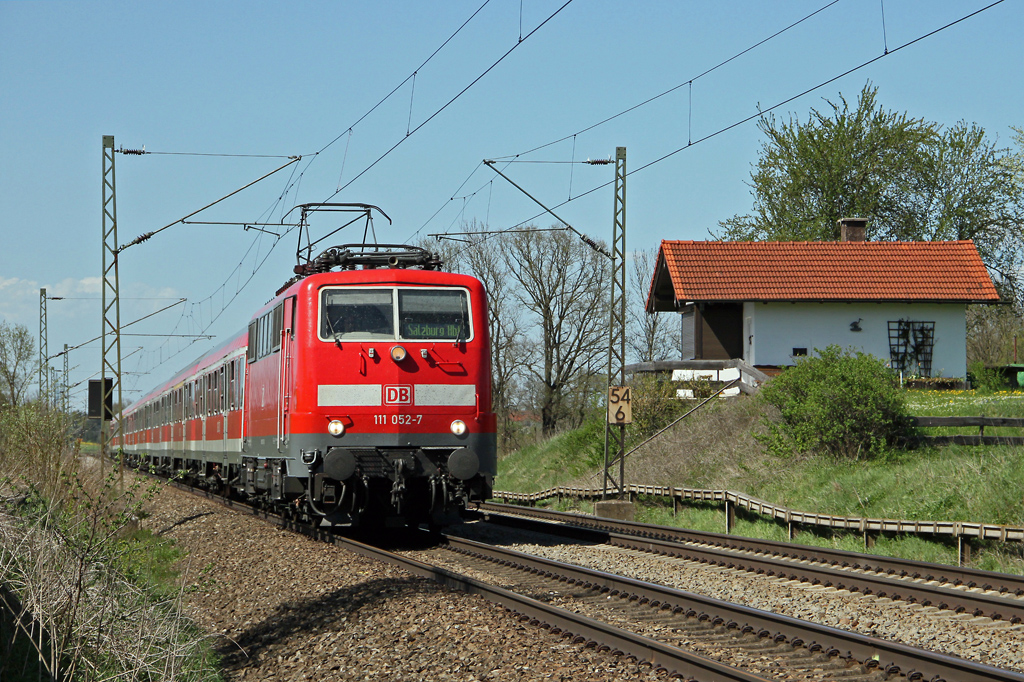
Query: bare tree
x,y
485,259
450,253
650,336
562,282
18,361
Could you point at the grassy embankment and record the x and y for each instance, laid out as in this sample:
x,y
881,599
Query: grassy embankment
x,y
715,449
104,591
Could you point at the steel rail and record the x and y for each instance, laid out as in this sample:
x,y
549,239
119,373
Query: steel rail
x,y
561,621
894,658
943,573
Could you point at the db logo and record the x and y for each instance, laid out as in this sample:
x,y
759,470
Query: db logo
x,y
398,395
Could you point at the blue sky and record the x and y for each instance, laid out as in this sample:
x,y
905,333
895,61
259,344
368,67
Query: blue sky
x,y
284,79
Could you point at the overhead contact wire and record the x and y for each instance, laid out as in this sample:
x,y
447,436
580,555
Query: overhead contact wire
x,y
762,112
516,158
143,237
406,80
457,96
572,160
885,39
689,117
818,86
412,97
240,156
386,97
674,88
455,193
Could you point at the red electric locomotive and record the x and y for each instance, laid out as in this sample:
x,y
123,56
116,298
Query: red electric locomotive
x,y
360,394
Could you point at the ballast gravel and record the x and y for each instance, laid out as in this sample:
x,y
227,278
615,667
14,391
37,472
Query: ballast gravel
x,y
279,606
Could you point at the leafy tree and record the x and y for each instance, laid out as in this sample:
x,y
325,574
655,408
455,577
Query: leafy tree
x,y
912,179
1015,162
18,362
970,192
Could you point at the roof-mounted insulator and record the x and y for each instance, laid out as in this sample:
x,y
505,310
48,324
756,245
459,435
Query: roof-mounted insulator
x,y
370,256
133,152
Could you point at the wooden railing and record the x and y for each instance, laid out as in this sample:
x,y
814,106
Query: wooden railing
x,y
870,528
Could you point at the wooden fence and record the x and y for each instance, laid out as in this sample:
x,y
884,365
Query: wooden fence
x,y
960,531
961,422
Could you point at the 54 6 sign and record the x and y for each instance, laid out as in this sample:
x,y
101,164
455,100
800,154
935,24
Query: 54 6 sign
x,y
620,405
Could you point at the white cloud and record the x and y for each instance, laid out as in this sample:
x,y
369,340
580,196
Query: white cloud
x,y
19,301
73,318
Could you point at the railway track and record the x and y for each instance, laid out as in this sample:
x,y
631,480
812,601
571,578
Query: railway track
x,y
752,641
682,634
577,628
978,593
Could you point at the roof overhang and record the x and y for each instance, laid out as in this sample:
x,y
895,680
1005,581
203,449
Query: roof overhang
x,y
661,297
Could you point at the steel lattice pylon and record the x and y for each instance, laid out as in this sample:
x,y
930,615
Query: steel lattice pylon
x,y
44,361
615,434
64,394
111,303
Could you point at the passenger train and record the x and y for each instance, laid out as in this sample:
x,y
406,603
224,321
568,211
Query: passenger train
x,y
359,395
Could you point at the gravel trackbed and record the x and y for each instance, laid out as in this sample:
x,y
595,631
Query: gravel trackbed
x,y
280,606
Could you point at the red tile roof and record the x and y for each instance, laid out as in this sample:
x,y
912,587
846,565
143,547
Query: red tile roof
x,y
824,271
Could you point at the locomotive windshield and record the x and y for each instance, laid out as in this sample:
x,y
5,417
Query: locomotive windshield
x,y
357,314
433,314
371,314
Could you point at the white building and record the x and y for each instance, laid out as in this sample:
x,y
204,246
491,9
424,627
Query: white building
x,y
770,302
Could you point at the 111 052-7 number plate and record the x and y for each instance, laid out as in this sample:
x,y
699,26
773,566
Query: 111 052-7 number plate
x,y
397,419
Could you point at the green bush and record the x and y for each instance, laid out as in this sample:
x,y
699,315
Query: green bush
x,y
655,405
986,379
583,448
841,403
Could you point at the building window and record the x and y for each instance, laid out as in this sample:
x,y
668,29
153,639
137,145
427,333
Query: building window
x,y
799,352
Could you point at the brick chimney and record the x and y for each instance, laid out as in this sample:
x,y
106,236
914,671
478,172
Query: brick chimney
x,y
852,229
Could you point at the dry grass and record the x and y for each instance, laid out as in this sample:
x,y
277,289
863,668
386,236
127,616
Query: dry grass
x,y
64,554
35,450
90,622
712,448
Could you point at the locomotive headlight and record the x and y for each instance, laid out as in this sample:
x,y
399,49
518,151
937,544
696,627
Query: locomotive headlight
x,y
458,427
336,428
398,353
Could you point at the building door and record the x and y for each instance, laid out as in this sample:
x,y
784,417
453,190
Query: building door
x,y
721,336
